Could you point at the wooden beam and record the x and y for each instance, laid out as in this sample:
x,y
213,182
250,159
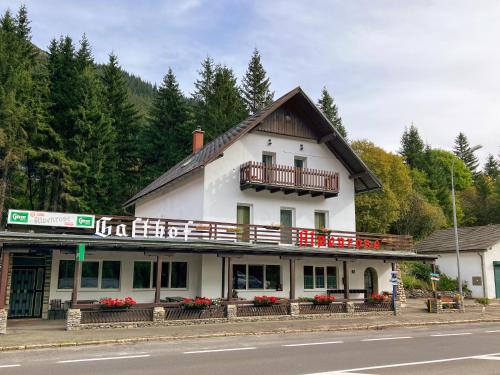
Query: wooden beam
x,y
292,278
346,281
316,194
357,175
327,137
159,266
274,190
288,191
259,188
229,279
76,282
4,278
302,192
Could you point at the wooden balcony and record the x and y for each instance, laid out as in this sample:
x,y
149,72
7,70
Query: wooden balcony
x,y
274,177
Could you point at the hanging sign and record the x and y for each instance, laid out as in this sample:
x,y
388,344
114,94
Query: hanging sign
x,y
80,252
435,276
50,219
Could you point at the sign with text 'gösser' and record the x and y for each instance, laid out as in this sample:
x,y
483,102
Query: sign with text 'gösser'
x,y
50,219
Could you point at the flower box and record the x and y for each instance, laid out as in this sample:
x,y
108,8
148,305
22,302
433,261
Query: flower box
x,y
323,300
262,301
198,303
116,304
377,298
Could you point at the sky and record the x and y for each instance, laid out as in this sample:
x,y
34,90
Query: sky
x,y
387,63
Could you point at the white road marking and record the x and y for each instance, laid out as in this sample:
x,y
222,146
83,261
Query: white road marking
x,y
489,357
494,331
451,334
220,350
350,371
104,358
315,343
388,338
6,366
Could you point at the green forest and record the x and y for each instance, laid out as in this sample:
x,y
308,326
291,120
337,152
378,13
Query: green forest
x,y
79,136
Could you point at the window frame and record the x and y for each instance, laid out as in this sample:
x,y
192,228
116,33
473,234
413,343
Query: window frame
x,y
264,276
327,218
325,277
152,285
99,277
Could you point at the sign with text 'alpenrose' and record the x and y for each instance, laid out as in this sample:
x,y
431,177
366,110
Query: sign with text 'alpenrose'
x,y
51,219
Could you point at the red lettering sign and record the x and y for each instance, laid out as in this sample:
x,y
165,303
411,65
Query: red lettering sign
x,y
310,238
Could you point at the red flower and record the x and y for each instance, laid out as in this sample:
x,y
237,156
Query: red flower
x,y
323,300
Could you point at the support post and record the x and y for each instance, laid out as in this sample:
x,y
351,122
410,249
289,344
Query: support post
x,y
292,279
433,268
223,284
76,281
346,281
395,307
4,278
229,279
159,265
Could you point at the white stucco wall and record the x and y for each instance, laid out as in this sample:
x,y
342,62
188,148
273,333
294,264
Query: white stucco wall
x,y
222,189
492,255
184,200
470,266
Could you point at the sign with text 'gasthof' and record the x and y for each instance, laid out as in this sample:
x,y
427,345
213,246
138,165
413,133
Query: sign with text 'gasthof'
x,y
51,219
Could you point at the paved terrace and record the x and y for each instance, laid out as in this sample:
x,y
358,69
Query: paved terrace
x,y
26,334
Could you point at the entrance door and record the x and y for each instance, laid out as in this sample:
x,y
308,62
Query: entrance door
x,y
243,220
286,224
299,167
370,281
26,292
267,162
496,266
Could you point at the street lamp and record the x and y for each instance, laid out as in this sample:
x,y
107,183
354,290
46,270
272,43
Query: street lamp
x,y
455,226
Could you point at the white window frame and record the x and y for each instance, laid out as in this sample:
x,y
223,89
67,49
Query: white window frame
x,y
327,217
99,275
152,270
247,265
325,276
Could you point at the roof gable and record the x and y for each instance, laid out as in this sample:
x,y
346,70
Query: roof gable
x,y
308,122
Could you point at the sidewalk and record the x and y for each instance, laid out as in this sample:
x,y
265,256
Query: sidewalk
x,y
32,334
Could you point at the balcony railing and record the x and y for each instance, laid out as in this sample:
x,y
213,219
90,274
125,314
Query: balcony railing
x,y
275,177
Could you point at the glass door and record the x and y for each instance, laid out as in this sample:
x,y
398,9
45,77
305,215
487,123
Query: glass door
x,y
299,165
286,224
243,220
267,161
26,293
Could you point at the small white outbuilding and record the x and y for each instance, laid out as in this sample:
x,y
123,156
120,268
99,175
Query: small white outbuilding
x,y
479,249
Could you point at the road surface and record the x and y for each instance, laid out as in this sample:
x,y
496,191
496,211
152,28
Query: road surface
x,y
448,349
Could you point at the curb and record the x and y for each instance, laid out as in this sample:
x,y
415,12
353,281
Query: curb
x,y
235,334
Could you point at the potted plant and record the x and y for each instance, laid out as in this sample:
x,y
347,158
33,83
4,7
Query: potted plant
x,y
264,301
198,303
117,303
323,300
484,301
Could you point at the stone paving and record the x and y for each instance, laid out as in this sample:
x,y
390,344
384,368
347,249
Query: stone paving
x,y
27,334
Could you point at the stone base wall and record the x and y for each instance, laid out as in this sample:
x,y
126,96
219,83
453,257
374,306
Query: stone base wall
x,y
73,320
3,321
420,293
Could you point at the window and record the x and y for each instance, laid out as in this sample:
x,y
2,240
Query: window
x,y
142,275
179,275
90,275
66,274
165,274
317,277
320,220
239,276
110,278
308,277
331,277
256,276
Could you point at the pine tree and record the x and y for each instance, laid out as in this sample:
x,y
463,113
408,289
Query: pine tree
x,y
412,147
225,106
463,150
329,109
255,90
126,129
169,130
492,167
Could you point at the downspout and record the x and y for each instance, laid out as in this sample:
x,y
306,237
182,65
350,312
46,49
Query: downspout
x,y
481,255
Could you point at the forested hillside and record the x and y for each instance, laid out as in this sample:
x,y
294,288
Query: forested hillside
x,y
82,137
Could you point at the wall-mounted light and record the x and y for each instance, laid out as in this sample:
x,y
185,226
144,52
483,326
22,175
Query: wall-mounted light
x,y
353,271
269,142
301,147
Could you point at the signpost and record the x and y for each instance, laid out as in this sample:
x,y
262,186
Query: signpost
x,y
434,278
394,282
51,219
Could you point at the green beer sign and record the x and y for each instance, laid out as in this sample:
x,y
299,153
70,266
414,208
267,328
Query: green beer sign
x,y
51,219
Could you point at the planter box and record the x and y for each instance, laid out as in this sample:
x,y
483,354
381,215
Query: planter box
x,y
250,310
179,313
117,315
332,308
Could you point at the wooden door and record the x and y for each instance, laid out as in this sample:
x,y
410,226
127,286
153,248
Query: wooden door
x,y
243,220
286,224
496,266
26,292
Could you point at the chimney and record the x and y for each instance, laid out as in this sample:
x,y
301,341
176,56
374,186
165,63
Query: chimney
x,y
197,139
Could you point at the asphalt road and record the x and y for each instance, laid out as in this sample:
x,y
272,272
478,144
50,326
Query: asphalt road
x,y
452,349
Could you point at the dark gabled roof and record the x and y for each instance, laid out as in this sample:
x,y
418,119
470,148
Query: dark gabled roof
x,y
364,179
469,239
